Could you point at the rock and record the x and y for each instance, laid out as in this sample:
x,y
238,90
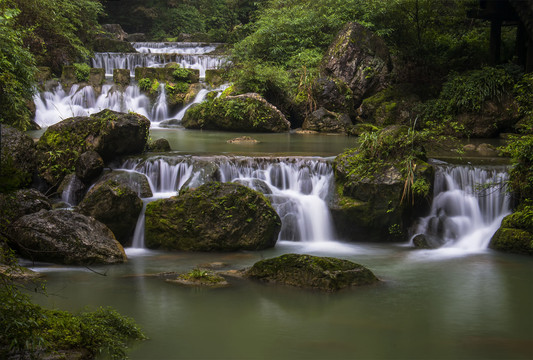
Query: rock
x,y
213,217
65,237
243,140
333,95
103,44
121,76
360,59
116,206
423,241
395,105
159,145
199,277
96,77
372,206
172,123
494,118
487,150
114,31
214,77
136,37
135,181
18,161
166,74
19,273
16,204
469,147
68,76
322,273
323,120
72,190
247,112
111,134
89,166
515,234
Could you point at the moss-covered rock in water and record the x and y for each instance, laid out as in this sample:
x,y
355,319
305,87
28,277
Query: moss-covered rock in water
x,y
394,105
378,198
516,232
116,206
326,121
323,273
112,45
135,181
111,134
213,217
89,166
247,112
18,160
360,59
65,237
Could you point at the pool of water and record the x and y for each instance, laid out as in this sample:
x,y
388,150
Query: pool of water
x,y
440,304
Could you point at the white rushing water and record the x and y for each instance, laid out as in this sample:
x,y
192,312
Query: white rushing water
x,y
190,48
468,206
297,187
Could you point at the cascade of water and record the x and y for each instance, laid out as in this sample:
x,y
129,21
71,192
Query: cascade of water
x,y
110,61
175,47
468,206
298,187
160,110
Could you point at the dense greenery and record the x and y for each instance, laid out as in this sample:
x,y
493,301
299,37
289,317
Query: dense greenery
x,y
28,330
213,20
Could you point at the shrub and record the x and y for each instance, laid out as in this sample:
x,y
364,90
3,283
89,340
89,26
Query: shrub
x,y
82,72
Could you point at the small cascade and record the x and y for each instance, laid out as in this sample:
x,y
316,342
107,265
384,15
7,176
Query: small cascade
x,y
297,187
111,61
468,206
190,48
160,110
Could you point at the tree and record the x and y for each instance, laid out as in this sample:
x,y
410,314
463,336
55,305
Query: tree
x,y
17,68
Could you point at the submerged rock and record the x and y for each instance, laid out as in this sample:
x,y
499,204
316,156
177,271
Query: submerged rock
x,y
65,237
213,217
243,140
115,205
247,112
322,273
199,277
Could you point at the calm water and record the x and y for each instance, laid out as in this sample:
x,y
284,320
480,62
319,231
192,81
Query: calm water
x,y
429,305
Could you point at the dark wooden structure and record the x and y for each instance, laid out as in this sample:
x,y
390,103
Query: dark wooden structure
x,y
508,13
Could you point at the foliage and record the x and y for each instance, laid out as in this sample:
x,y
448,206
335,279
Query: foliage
x,y
523,95
181,74
145,84
520,150
61,29
28,330
82,71
17,68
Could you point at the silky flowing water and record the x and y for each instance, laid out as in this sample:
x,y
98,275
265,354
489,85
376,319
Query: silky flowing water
x,y
462,301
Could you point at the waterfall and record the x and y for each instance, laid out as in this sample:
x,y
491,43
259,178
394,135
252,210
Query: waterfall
x,y
190,48
468,206
297,187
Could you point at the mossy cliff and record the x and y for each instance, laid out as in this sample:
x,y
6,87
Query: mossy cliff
x,y
516,232
322,273
213,217
382,186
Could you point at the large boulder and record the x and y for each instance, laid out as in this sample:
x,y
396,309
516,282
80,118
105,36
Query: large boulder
x,y
246,112
89,166
116,206
322,273
109,133
333,95
16,204
18,161
360,59
323,120
515,234
213,217
65,237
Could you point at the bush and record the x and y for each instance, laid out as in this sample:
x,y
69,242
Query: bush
x,y
82,72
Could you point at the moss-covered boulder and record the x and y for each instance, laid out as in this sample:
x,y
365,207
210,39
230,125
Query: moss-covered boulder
x,y
515,234
89,166
247,112
333,95
22,202
65,237
135,181
322,273
96,77
360,59
381,189
116,206
109,133
159,145
18,162
121,76
103,44
326,121
395,105
213,217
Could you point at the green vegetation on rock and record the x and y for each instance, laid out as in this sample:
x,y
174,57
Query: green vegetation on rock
x,y
322,273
